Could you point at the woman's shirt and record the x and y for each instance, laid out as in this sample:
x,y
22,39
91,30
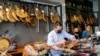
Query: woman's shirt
x,y
85,34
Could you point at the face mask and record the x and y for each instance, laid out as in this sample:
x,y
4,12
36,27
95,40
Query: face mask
x,y
76,32
59,31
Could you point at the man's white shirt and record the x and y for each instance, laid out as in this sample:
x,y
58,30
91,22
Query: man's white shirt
x,y
54,37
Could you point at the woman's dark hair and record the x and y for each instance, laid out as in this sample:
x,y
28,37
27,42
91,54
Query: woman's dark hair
x,y
75,27
88,25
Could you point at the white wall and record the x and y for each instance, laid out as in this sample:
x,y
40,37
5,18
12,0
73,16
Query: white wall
x,y
95,7
99,13
24,34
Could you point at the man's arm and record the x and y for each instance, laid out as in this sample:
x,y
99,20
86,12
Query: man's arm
x,y
52,44
70,37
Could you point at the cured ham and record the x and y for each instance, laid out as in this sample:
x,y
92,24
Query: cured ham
x,y
38,14
54,16
20,12
15,15
44,17
9,16
3,14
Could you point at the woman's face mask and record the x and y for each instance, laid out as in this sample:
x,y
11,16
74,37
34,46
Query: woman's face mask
x,y
76,32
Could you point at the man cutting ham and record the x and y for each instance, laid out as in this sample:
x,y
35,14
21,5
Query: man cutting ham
x,y
56,39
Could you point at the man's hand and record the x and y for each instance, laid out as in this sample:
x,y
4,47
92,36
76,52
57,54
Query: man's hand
x,y
57,48
74,41
60,44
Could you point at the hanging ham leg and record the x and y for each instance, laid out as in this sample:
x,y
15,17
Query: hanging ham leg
x,y
54,16
14,15
3,15
9,16
38,14
44,17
